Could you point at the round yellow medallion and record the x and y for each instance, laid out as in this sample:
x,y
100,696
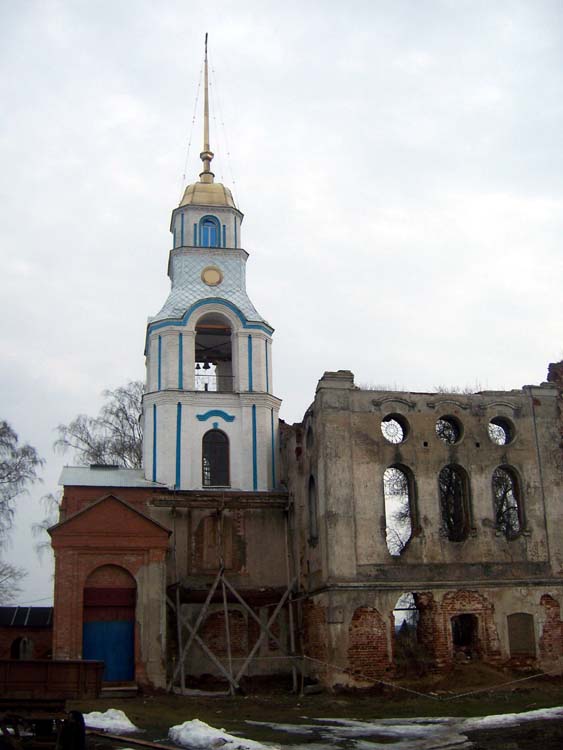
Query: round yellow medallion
x,y
211,276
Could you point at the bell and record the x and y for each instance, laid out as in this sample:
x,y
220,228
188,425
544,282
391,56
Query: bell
x,y
206,366
197,367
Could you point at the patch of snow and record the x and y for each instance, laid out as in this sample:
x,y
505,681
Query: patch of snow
x,y
512,720
197,735
112,720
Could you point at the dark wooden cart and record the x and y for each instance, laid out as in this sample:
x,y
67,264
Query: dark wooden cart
x,y
33,697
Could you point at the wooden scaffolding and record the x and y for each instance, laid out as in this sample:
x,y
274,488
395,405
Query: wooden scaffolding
x,y
224,593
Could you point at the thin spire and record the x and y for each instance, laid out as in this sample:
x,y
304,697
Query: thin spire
x,y
206,155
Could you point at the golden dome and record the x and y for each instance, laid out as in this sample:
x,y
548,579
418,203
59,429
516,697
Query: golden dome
x,y
207,194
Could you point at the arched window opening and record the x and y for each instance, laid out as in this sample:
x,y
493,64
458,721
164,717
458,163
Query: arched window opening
x,y
501,431
394,428
215,459
213,354
506,500
449,430
399,502
22,648
209,232
313,511
310,438
454,502
465,636
410,652
521,635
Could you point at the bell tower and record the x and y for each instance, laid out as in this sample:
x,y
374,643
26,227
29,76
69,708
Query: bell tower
x,y
210,416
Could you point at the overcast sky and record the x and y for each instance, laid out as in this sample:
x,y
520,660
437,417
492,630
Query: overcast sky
x,y
399,165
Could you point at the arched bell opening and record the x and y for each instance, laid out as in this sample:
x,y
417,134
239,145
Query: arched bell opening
x,y
213,354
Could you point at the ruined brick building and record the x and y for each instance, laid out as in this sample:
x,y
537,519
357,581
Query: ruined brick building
x,y
249,547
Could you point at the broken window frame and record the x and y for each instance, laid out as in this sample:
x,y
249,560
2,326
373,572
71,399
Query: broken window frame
x,y
449,429
507,502
396,542
456,529
498,425
387,429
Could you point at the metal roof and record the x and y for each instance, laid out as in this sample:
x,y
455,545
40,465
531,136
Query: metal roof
x,y
29,617
104,476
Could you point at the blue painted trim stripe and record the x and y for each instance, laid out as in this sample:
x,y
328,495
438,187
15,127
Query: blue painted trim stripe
x,y
182,230
181,361
178,444
215,413
174,236
250,383
254,451
273,451
159,362
224,236
236,238
210,301
267,369
195,235
154,443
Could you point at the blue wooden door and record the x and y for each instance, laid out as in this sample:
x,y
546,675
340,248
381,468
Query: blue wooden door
x,y
113,643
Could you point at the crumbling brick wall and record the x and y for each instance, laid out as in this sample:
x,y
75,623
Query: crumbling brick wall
x,y
551,639
368,653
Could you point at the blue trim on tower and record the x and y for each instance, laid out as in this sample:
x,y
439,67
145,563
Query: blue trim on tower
x,y
181,230
178,444
181,361
154,443
267,369
215,413
195,235
236,238
174,238
273,450
250,382
159,374
224,236
254,451
210,301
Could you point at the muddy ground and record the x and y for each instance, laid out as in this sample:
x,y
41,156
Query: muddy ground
x,y
274,703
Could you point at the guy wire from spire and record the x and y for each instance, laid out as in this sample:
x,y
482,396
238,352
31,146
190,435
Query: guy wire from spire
x,y
191,133
216,102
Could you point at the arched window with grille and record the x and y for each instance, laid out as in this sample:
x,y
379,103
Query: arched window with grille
x,y
215,459
209,232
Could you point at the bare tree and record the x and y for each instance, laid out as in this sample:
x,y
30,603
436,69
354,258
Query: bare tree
x,y
18,470
114,437
10,578
453,501
507,507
